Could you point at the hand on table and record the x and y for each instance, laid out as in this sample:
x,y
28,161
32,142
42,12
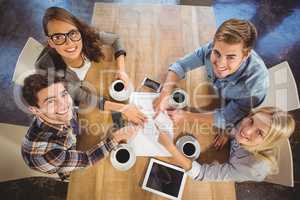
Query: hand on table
x,y
220,140
125,133
133,114
163,123
178,116
161,103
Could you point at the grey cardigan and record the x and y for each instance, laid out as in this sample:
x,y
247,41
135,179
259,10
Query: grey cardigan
x,y
241,166
50,60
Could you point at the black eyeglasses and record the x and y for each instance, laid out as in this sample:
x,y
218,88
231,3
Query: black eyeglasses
x,y
61,38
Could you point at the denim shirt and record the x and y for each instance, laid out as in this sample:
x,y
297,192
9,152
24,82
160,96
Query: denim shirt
x,y
244,89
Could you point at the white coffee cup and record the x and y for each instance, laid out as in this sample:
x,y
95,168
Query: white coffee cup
x,y
123,157
118,92
189,146
178,99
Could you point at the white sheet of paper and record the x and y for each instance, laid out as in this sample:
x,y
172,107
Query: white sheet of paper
x,y
146,141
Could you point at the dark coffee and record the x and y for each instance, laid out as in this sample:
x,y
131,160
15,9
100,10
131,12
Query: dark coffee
x,y
122,156
178,97
189,149
119,87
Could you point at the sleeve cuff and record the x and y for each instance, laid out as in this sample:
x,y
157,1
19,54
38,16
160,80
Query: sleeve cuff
x,y
178,70
110,143
119,53
219,119
194,171
101,103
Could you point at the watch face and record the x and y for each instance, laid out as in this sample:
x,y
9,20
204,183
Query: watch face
x,y
152,84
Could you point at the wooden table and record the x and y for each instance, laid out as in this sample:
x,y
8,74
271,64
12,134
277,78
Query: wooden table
x,y
154,37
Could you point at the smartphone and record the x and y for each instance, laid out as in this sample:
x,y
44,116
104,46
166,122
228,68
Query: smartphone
x,y
151,84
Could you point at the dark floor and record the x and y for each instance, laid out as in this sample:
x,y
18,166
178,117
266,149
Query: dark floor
x,y
278,24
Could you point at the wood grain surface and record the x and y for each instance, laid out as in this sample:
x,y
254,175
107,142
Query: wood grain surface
x,y
154,37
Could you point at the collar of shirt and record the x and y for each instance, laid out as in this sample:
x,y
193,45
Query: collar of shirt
x,y
59,127
63,128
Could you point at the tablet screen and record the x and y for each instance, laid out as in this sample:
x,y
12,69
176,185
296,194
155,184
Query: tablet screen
x,y
164,179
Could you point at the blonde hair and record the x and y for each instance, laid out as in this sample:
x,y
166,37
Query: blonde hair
x,y
282,126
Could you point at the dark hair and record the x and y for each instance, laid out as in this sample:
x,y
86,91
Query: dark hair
x,y
35,83
90,39
235,31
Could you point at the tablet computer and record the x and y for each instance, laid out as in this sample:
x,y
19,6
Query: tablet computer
x,y
164,179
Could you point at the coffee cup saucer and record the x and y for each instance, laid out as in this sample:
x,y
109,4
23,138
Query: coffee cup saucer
x,y
122,95
189,139
122,166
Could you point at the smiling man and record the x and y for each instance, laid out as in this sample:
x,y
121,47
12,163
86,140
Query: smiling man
x,y
238,74
50,143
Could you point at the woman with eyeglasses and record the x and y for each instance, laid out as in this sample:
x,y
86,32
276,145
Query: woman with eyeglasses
x,y
73,49
253,148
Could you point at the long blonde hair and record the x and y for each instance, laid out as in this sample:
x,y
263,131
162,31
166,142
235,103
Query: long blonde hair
x,y
282,126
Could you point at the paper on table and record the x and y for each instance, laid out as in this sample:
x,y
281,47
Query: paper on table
x,y
146,141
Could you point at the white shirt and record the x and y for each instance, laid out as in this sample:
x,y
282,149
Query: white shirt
x,y
82,71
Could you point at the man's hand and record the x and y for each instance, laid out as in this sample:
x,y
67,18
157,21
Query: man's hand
x,y
163,123
178,116
133,114
125,133
220,141
161,103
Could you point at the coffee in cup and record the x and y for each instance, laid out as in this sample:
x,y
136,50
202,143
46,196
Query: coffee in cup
x,y
122,155
119,86
189,149
178,99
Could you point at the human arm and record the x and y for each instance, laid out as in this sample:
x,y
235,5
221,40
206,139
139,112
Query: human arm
x,y
114,40
176,72
237,169
58,158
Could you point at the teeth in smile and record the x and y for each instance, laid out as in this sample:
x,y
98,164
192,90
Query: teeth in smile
x,y
71,49
64,112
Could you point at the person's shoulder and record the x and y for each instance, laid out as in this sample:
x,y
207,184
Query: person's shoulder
x,y
49,58
204,50
207,47
256,71
256,64
38,132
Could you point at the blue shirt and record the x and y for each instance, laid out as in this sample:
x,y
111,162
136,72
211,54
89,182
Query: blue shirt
x,y
244,89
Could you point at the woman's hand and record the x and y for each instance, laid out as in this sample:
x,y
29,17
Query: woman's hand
x,y
133,114
122,75
125,133
165,140
220,140
179,158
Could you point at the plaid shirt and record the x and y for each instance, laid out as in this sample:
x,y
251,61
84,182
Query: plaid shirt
x,y
52,149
